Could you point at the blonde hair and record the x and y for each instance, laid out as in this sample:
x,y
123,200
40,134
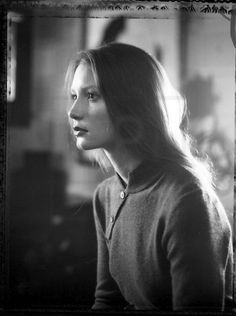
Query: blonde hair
x,y
144,108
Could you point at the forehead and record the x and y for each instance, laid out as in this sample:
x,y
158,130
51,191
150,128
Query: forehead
x,y
83,77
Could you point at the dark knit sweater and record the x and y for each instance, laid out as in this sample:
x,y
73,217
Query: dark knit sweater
x,y
163,243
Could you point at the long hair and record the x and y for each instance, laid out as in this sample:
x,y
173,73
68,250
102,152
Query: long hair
x,y
146,111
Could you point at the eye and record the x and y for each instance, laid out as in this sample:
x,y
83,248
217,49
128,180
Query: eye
x,y
92,96
73,97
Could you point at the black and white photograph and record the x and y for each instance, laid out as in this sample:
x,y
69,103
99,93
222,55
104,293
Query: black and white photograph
x,y
117,145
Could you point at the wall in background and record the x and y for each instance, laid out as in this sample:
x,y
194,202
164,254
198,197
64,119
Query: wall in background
x,y
50,187
210,87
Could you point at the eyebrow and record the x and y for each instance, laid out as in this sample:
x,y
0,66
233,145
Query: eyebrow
x,y
85,88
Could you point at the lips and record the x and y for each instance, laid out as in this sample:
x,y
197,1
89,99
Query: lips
x,y
79,129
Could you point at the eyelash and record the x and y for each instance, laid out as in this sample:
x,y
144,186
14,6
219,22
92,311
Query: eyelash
x,y
73,97
92,96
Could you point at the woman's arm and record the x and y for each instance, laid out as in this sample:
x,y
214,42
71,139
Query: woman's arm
x,y
198,243
107,294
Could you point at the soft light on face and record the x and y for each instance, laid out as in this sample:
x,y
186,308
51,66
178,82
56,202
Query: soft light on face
x,y
88,115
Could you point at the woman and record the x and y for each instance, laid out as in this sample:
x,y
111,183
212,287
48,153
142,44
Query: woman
x,y
164,240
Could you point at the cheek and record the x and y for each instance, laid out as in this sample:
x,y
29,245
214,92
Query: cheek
x,y
103,123
106,128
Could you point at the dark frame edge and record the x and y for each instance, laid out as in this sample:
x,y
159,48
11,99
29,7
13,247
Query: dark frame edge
x,y
3,141
4,308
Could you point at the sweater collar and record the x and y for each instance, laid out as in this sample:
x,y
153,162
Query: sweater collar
x,y
142,176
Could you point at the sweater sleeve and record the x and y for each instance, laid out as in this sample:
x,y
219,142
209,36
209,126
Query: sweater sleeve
x,y
197,240
107,293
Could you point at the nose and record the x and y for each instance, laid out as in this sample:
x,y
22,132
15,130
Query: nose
x,y
76,112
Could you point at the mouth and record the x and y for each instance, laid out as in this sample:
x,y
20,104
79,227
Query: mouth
x,y
79,131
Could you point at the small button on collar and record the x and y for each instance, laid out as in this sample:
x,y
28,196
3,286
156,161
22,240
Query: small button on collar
x,y
122,194
112,219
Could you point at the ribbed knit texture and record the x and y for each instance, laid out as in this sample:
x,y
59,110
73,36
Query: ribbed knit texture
x,y
164,245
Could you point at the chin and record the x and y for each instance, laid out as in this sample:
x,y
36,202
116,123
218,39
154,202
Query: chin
x,y
84,145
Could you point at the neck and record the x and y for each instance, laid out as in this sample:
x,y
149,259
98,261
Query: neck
x,y
123,162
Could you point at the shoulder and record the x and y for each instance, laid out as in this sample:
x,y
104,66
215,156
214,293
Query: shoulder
x,y
192,204
179,175
183,186
177,183
187,199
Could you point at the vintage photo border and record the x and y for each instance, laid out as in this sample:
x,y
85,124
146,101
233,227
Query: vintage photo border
x,y
131,8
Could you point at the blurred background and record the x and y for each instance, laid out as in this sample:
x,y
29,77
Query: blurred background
x,y
50,183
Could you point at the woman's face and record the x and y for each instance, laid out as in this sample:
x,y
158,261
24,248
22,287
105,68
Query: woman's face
x,y
88,115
